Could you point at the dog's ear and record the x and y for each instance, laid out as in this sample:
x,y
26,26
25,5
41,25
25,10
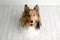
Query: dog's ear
x,y
26,8
36,8
38,25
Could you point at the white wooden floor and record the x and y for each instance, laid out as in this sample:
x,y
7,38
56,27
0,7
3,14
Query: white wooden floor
x,y
9,23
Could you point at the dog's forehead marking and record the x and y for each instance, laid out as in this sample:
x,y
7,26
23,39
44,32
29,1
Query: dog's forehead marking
x,y
32,11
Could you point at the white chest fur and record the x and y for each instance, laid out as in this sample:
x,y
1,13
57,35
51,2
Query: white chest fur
x,y
30,32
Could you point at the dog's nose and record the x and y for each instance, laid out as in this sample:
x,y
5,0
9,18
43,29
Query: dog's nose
x,y
31,21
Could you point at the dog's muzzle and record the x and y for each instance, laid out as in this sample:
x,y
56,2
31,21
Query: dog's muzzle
x,y
31,22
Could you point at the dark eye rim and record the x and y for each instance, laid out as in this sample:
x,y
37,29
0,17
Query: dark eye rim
x,y
27,15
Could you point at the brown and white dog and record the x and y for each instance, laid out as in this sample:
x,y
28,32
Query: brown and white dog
x,y
31,17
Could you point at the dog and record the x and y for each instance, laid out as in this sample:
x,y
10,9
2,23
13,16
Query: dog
x,y
31,17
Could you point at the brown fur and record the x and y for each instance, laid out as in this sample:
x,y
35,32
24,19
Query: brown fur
x,y
28,14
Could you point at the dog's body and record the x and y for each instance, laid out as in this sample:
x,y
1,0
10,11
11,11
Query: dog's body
x,y
31,17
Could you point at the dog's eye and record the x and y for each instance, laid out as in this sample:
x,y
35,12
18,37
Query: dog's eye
x,y
25,15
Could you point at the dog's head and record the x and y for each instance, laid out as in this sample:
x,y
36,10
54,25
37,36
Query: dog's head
x,y
31,17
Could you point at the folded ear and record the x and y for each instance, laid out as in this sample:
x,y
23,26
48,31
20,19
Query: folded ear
x,y
38,25
36,8
26,8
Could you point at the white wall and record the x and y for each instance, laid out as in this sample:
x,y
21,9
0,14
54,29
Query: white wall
x,y
30,2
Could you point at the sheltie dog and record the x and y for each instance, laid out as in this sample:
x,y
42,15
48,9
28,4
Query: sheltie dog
x,y
30,17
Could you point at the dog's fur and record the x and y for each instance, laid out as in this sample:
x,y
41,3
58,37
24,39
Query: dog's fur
x,y
29,14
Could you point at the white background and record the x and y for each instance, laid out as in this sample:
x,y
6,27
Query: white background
x,y
9,18
30,2
10,29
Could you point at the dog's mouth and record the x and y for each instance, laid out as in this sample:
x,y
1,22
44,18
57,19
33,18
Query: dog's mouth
x,y
31,24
